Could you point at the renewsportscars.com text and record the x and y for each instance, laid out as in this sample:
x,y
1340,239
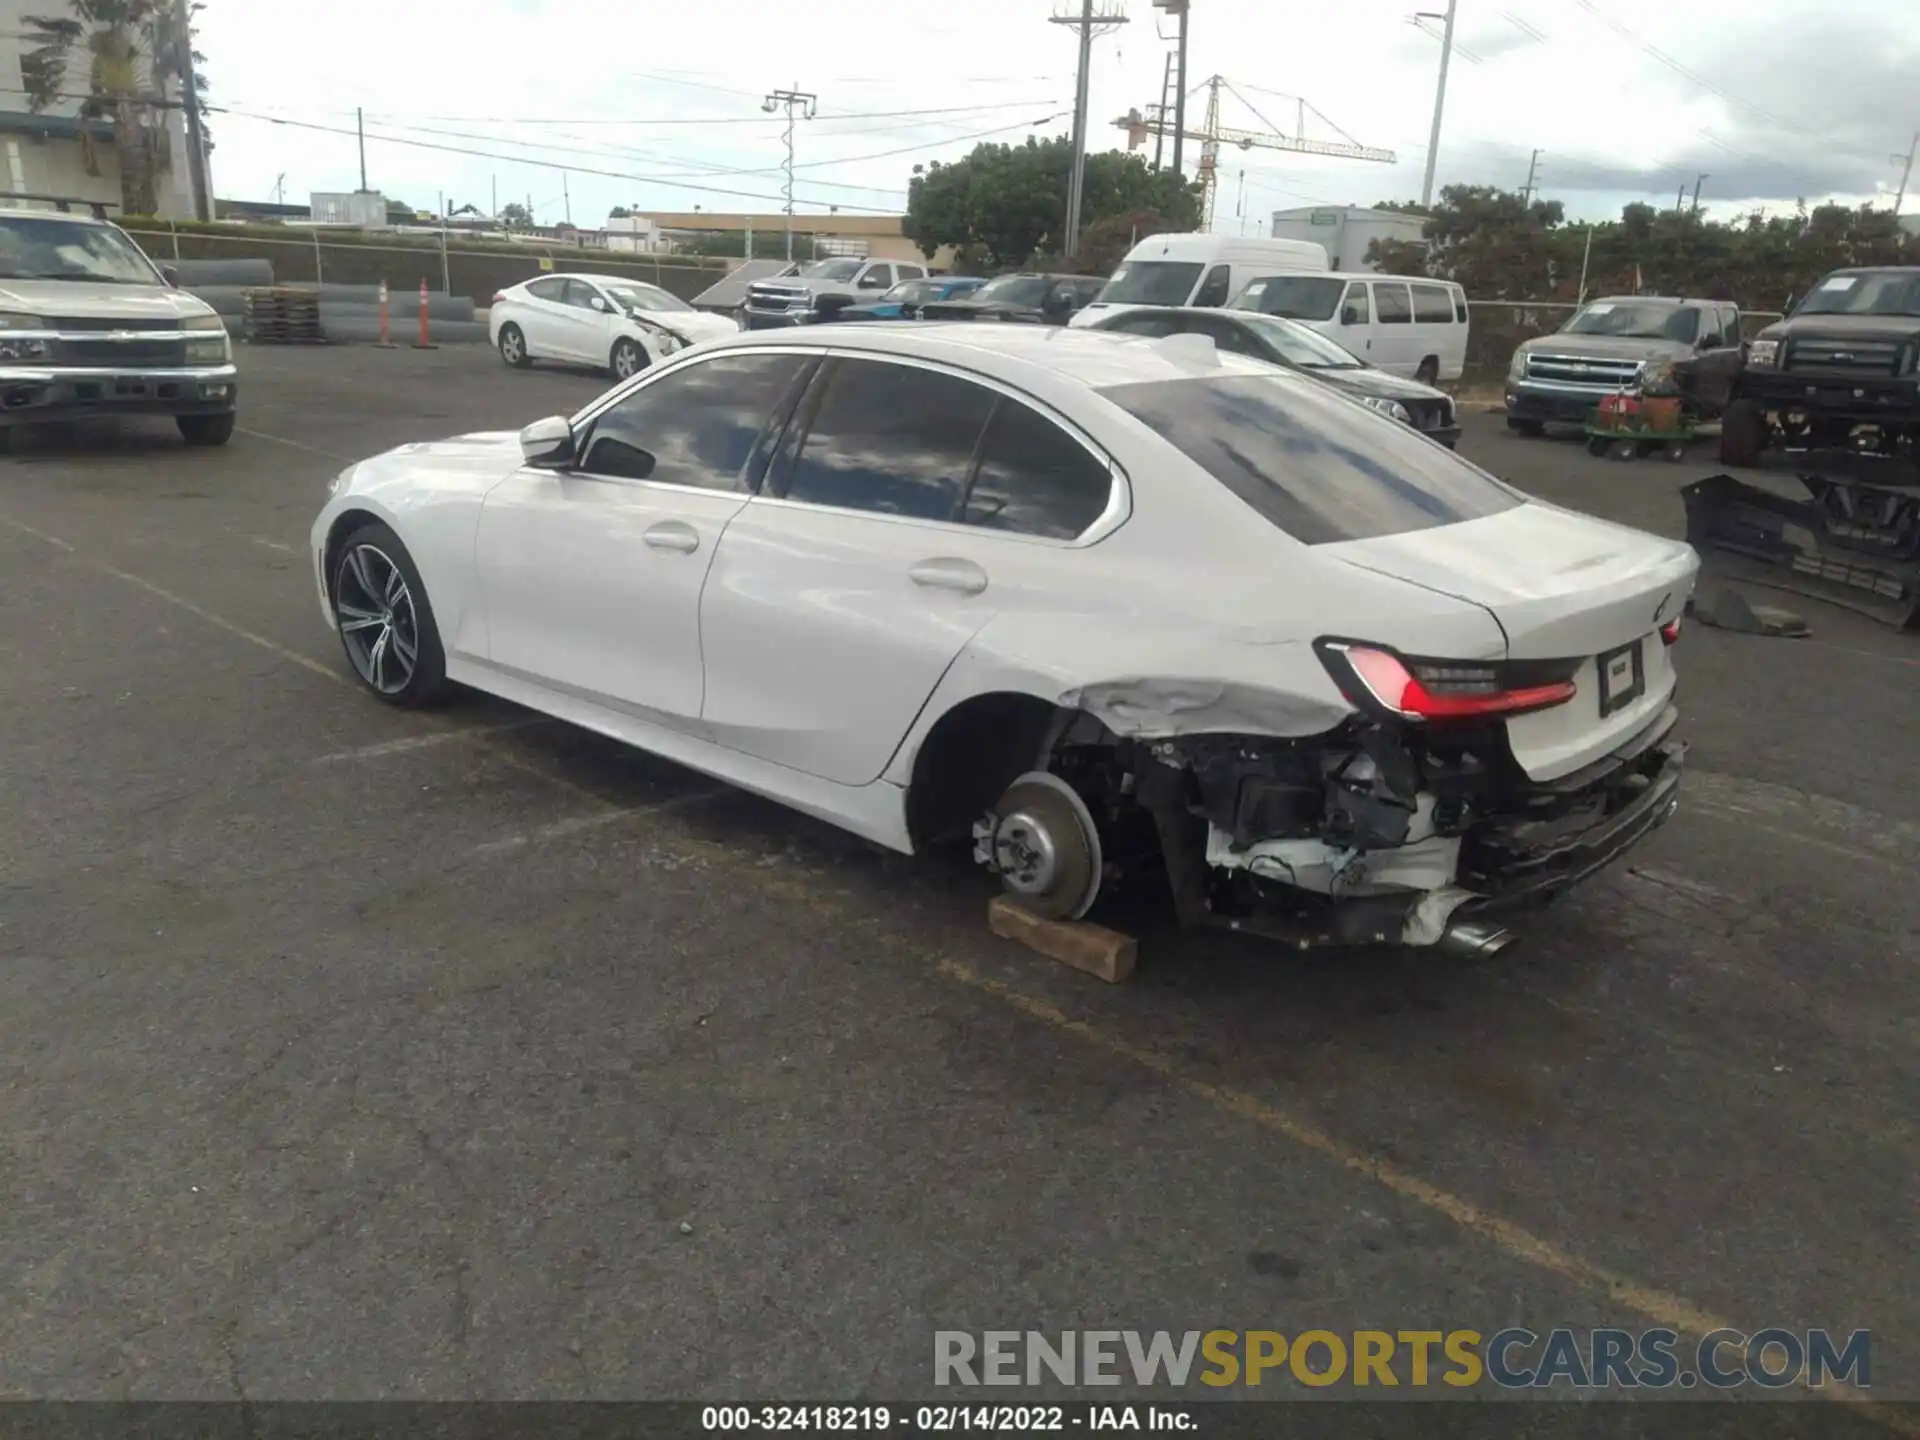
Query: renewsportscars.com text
x,y
1511,1359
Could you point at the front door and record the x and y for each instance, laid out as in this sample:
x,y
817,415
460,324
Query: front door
x,y
591,575
585,323
911,507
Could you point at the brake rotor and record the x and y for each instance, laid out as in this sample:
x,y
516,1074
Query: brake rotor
x,y
1041,840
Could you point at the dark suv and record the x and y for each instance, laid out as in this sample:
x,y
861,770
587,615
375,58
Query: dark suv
x,y
1845,358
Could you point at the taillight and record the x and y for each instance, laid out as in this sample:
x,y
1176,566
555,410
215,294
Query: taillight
x,y
1670,632
499,296
1378,680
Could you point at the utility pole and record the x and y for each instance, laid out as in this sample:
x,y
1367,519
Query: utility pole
x,y
1439,107
1906,173
196,136
1533,168
360,129
1160,136
1698,181
1086,22
566,197
495,211
1178,8
1680,198
798,102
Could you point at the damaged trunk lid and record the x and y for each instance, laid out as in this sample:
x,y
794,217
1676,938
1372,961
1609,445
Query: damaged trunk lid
x,y
1562,586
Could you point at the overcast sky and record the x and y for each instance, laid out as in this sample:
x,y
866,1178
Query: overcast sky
x,y
1771,99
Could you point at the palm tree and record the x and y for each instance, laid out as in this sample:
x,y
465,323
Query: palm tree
x,y
132,49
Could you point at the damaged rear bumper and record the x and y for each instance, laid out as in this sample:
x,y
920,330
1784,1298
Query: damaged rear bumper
x,y
1544,839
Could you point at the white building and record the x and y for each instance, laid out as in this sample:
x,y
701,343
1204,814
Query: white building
x,y
41,154
634,233
1346,230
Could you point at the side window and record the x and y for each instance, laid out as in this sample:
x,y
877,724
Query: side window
x,y
911,272
1432,305
1035,478
1729,326
891,439
1355,309
1687,325
877,277
552,288
693,426
1214,289
581,295
1459,305
1392,305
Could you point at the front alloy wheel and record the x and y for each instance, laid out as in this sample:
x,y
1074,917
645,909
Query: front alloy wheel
x,y
378,622
628,360
385,619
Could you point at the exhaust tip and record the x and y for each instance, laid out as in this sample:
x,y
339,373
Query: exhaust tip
x,y
1471,940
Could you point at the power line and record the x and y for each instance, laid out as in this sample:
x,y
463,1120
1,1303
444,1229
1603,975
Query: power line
x,y
629,176
711,119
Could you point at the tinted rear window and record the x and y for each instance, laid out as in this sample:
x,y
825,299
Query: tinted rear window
x,y
1318,465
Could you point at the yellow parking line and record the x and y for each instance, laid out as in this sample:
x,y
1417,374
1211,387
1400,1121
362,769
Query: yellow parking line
x,y
1662,1307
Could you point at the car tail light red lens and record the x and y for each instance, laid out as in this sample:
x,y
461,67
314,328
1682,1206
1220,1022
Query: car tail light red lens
x,y
499,296
1670,632
1376,679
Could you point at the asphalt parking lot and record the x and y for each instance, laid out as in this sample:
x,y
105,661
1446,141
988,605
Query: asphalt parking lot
x,y
357,1054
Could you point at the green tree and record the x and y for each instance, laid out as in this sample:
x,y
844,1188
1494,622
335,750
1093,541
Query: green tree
x,y
1003,204
132,49
514,213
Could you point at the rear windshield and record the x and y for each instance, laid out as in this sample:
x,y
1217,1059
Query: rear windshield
x,y
1319,466
1151,282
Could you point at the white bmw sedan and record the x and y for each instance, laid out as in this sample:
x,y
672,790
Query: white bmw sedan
x,y
1115,609
611,322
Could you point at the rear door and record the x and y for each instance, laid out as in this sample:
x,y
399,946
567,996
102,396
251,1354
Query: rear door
x,y
910,504
1395,343
543,317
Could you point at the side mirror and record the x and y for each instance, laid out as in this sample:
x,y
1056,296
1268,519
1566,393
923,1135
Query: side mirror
x,y
547,443
1349,315
170,275
870,282
1057,303
601,305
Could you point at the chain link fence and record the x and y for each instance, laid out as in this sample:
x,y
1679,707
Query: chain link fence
x,y
458,266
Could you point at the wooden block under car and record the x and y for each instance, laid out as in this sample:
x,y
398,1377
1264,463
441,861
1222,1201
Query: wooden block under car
x,y
1092,948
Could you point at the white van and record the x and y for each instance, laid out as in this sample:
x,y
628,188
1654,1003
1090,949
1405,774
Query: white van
x,y
1196,269
1404,324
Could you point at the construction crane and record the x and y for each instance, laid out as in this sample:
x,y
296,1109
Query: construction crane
x,y
1212,135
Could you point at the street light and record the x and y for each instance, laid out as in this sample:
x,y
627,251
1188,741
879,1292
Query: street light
x,y
1439,101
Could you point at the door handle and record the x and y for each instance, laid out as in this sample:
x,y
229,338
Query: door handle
x,y
945,573
673,535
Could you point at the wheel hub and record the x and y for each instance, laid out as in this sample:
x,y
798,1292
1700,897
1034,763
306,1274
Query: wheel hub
x,y
1024,854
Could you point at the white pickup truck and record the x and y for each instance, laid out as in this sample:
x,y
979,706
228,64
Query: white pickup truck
x,y
821,288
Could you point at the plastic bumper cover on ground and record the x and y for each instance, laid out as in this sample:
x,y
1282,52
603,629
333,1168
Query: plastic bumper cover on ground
x,y
33,394
1853,543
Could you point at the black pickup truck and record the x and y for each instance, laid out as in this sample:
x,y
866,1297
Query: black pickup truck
x,y
1839,373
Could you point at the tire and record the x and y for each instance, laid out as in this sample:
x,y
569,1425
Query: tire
x,y
628,359
513,347
1429,371
362,592
1521,426
1598,445
206,430
1743,433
